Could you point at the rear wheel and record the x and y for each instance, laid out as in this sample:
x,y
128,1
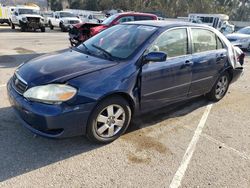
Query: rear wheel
x,y
220,88
109,120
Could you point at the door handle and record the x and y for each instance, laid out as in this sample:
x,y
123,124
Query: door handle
x,y
220,57
188,63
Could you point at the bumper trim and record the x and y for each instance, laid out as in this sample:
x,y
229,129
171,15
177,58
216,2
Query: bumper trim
x,y
35,131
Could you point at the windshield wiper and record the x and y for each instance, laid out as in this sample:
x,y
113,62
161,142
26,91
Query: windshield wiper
x,y
108,55
80,50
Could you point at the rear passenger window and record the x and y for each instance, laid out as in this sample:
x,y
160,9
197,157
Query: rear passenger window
x,y
174,43
203,40
137,18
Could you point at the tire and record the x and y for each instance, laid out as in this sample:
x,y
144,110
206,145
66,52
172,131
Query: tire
x,y
220,88
62,28
12,25
103,125
23,28
51,26
43,29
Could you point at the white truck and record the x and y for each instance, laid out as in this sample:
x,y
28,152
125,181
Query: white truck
x,y
27,17
88,16
218,21
63,20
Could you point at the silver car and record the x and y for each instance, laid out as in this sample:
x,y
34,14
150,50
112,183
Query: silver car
x,y
241,38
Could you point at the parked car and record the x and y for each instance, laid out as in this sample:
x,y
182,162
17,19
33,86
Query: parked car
x,y
46,15
78,33
63,20
88,16
136,67
241,38
27,17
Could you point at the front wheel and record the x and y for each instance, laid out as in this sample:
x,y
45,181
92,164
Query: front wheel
x,y
109,120
23,28
51,26
12,25
220,88
43,29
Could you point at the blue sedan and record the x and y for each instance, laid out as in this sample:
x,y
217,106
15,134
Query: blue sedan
x,y
96,88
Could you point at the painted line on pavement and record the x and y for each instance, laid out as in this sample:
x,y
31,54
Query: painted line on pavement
x,y
176,181
241,154
222,144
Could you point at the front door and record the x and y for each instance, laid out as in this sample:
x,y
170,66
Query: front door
x,y
169,81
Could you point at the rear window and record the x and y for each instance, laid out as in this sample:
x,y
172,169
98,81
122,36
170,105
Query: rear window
x,y
138,18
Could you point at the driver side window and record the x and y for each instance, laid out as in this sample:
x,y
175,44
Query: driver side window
x,y
174,43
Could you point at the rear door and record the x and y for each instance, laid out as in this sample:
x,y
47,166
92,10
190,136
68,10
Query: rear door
x,y
165,82
209,57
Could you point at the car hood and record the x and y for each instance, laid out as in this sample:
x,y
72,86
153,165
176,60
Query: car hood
x,y
71,19
237,36
31,16
60,67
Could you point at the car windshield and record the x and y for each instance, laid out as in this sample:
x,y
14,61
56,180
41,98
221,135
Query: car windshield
x,y
109,19
118,42
245,30
28,11
66,14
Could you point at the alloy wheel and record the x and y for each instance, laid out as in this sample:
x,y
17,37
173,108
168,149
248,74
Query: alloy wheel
x,y
221,87
110,121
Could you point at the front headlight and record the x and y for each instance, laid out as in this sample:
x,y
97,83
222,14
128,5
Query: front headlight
x,y
243,40
52,93
24,19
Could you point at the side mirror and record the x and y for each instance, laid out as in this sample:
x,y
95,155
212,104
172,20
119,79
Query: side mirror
x,y
16,14
155,57
56,17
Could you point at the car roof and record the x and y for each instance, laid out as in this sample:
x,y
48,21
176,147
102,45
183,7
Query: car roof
x,y
163,23
136,13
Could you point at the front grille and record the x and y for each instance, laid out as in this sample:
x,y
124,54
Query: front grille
x,y
74,31
33,20
19,84
73,21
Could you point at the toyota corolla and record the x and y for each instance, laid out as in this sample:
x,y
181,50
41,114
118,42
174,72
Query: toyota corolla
x,y
96,88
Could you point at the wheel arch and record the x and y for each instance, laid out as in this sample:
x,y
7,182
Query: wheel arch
x,y
123,95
